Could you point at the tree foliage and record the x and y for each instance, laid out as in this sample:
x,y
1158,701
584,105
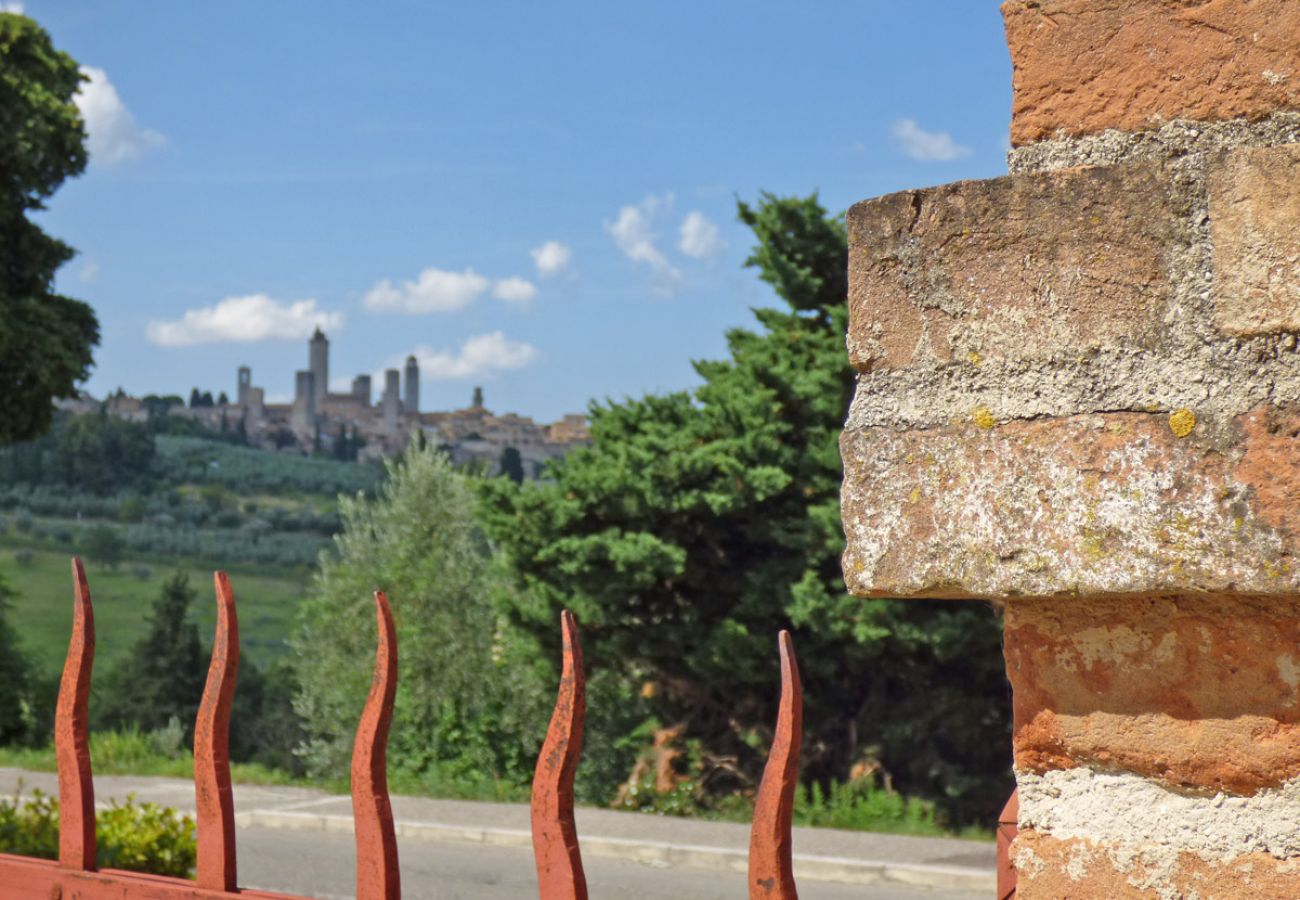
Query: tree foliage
x,y
45,338
99,454
699,523
467,701
163,676
15,678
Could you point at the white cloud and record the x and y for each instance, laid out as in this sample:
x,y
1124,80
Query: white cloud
x,y
551,258
435,290
479,356
930,146
256,317
16,8
112,133
699,237
514,290
88,272
634,236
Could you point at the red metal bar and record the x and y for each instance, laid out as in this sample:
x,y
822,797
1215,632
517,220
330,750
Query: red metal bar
x,y
378,877
22,878
71,740
555,835
1008,828
771,868
213,799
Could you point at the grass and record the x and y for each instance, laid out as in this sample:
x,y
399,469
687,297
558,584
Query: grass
x,y
42,610
134,753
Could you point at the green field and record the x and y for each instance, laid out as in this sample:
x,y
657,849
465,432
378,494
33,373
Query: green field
x,y
42,609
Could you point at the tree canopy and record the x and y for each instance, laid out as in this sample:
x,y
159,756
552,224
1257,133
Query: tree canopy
x,y
701,522
467,699
45,338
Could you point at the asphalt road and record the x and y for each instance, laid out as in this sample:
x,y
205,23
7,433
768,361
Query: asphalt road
x,y
322,864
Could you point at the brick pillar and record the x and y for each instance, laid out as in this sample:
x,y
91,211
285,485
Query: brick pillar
x,y
1080,398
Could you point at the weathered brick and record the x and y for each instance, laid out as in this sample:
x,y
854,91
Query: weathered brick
x,y
1115,503
1199,691
1254,198
1082,66
1077,259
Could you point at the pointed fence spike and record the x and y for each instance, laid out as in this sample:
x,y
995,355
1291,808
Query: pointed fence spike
x,y
771,870
214,802
1008,829
555,835
378,877
71,738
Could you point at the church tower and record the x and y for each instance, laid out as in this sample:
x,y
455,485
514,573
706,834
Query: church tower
x,y
318,363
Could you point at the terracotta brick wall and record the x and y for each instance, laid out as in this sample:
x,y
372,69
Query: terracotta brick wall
x,y
1079,396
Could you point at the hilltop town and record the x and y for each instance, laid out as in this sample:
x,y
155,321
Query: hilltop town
x,y
353,425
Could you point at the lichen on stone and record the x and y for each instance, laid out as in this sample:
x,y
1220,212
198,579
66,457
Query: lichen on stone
x,y
1182,421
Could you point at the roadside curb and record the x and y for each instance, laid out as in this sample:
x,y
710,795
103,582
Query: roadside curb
x,y
811,868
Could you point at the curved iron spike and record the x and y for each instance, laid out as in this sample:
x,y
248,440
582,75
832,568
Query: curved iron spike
x,y
214,802
71,741
1008,829
378,877
771,870
555,835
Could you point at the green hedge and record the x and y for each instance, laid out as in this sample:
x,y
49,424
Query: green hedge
x,y
141,837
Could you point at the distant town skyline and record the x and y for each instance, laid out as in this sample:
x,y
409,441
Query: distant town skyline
x,y
539,200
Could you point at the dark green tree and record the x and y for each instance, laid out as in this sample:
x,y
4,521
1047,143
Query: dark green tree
x,y
163,675
101,453
699,523
15,678
196,399
512,464
45,339
105,546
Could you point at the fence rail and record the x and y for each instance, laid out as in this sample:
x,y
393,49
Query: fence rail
x,y
556,849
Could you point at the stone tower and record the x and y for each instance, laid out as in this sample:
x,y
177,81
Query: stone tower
x,y
245,382
411,396
318,353
392,401
1078,397
361,389
304,400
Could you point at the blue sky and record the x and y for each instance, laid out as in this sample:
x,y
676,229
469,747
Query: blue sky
x,y
395,169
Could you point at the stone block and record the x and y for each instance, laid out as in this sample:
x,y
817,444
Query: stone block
x,y
1082,66
1093,504
1195,691
1254,202
1049,868
1021,267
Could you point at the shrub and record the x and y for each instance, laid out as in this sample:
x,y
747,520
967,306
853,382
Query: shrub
x,y
141,837
24,557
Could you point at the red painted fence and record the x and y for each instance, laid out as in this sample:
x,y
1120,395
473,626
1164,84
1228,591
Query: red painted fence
x,y
555,837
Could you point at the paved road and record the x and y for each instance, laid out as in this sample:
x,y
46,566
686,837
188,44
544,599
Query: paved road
x,y
321,864
298,840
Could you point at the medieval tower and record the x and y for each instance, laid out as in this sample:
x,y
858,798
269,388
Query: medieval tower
x,y
319,365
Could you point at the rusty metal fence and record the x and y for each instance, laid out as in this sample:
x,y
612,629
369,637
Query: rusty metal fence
x,y
74,875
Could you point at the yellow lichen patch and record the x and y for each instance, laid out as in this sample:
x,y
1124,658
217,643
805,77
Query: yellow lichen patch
x,y
983,417
974,357
1182,421
914,496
